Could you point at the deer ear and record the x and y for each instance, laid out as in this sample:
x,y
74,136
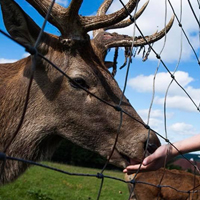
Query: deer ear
x,y
18,24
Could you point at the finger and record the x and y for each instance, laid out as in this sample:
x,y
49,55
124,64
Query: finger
x,y
129,172
148,160
134,168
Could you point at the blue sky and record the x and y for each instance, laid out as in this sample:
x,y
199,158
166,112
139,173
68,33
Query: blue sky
x,y
182,117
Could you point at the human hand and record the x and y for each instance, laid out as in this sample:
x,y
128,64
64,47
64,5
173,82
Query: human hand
x,y
153,161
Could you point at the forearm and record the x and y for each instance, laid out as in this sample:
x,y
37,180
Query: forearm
x,y
158,158
187,145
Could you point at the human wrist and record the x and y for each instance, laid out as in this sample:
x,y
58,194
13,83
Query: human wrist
x,y
172,151
176,149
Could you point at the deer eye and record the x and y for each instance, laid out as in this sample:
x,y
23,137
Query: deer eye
x,y
76,82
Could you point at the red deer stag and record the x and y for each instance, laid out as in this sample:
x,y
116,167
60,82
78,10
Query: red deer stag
x,y
178,185
57,107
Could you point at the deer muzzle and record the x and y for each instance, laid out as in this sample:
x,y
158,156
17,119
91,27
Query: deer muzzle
x,y
151,145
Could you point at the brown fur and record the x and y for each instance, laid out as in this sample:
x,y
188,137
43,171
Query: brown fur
x,y
180,180
56,108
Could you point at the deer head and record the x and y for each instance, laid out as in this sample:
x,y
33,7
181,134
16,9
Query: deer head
x,y
58,107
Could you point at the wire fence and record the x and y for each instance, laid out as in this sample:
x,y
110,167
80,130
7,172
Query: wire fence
x,y
34,53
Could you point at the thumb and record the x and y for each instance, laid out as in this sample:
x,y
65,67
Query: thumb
x,y
148,160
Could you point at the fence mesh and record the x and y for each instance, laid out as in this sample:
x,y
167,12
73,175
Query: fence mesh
x,y
34,53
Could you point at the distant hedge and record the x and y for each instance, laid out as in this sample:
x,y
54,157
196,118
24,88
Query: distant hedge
x,y
73,154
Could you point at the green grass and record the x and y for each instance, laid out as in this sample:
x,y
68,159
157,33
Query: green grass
x,y
43,184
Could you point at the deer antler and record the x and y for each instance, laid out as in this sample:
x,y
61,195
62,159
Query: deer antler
x,y
62,18
43,6
103,9
105,40
74,7
74,26
97,22
117,40
128,22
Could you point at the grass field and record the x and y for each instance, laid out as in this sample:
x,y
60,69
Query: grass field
x,y
43,184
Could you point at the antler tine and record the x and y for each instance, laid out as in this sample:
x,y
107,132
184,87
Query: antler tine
x,y
128,22
102,11
43,6
97,22
126,41
60,17
74,7
104,7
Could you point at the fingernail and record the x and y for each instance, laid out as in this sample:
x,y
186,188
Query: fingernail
x,y
144,162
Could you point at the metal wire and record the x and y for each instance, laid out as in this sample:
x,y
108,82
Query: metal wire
x,y
181,26
33,51
172,75
177,65
98,175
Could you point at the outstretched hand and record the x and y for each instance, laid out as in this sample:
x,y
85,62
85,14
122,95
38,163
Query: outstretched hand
x,y
153,161
164,153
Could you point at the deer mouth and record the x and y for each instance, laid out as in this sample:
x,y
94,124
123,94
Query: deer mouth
x,y
122,160
148,150
126,160
130,161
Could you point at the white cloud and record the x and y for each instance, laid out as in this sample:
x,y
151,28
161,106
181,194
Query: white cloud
x,y
155,113
4,60
25,55
143,83
176,130
177,102
183,129
153,19
156,118
155,121
176,97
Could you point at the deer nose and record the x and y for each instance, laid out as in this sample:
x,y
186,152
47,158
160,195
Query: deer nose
x,y
151,144
150,147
